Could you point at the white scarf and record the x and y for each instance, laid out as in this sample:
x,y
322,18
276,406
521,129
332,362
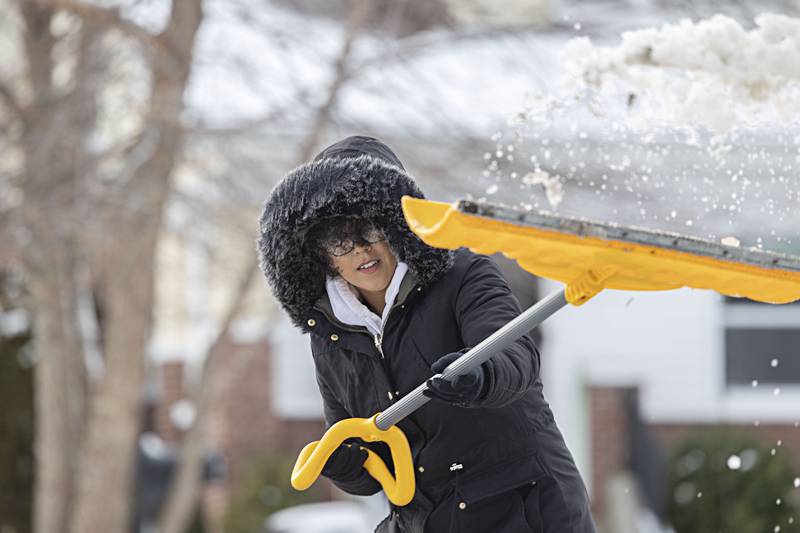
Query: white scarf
x,y
349,310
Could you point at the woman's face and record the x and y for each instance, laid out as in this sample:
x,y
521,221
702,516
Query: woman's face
x,y
380,263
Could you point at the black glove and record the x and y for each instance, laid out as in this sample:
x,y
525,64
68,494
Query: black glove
x,y
345,463
464,390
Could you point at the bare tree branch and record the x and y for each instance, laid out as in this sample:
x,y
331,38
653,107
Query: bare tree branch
x,y
245,127
10,254
358,16
38,49
10,100
104,16
158,143
417,44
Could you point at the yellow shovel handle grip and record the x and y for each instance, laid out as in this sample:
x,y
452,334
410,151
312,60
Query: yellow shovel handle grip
x,y
588,285
399,489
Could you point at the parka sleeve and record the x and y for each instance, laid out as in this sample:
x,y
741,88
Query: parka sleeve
x,y
483,305
362,484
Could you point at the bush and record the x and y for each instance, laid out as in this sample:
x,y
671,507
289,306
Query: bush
x,y
266,489
16,426
724,482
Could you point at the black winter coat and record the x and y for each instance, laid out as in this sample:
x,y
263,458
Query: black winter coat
x,y
500,466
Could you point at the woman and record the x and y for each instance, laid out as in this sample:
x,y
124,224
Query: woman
x,y
385,312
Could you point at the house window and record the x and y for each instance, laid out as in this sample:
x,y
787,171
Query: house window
x,y
762,342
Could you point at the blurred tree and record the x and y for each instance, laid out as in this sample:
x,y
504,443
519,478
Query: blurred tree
x,y
399,18
91,137
92,162
723,481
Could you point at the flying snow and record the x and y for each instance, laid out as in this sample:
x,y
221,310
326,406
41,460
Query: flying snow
x,y
712,73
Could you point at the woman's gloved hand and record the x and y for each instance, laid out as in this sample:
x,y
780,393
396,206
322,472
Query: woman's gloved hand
x,y
464,390
345,463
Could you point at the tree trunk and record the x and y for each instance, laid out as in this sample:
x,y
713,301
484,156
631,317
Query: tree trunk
x,y
60,387
105,481
50,253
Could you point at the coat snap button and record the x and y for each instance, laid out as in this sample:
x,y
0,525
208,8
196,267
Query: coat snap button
x,y
334,337
421,469
419,289
462,506
312,322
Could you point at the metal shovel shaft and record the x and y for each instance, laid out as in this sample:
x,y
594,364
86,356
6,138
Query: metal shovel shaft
x,y
493,344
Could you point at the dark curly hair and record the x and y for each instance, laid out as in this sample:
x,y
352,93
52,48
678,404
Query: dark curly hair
x,y
326,229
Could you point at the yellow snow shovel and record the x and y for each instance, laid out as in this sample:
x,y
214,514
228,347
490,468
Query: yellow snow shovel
x,y
587,257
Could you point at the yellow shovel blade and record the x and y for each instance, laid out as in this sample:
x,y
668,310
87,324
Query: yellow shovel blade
x,y
565,249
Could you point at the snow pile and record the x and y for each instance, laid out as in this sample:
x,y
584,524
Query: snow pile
x,y
711,73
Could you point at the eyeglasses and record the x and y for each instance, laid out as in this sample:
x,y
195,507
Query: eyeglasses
x,y
338,246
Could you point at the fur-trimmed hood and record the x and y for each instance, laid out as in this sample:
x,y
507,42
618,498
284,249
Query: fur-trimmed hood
x,y
358,176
